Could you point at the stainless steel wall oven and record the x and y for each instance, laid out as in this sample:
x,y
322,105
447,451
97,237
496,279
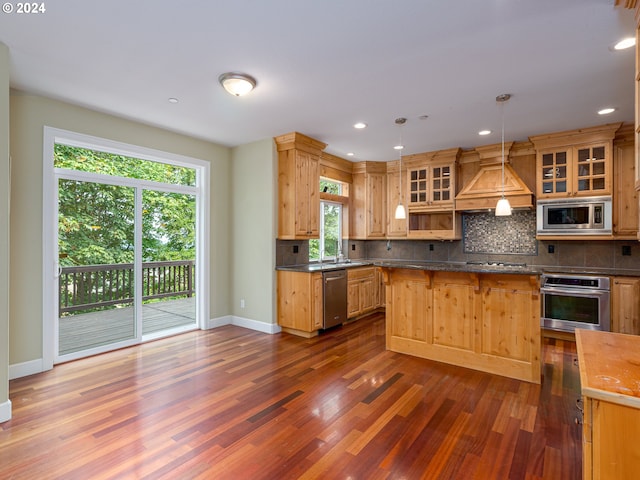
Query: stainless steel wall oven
x,y
575,301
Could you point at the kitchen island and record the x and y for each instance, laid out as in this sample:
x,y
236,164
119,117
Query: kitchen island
x,y
483,317
610,380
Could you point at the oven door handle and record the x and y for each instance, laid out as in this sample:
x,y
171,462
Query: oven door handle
x,y
577,292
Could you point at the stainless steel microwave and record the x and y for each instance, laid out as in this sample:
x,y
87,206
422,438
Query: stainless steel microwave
x,y
575,216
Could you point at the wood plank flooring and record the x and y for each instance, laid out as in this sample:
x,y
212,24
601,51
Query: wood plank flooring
x,y
232,403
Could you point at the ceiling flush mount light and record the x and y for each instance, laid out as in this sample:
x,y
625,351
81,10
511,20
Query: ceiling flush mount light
x,y
401,213
503,207
237,84
173,100
484,132
360,125
350,154
625,43
606,111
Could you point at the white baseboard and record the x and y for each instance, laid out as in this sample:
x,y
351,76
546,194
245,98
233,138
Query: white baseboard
x,y
26,368
218,322
263,327
5,411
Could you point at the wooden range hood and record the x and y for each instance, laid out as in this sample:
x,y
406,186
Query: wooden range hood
x,y
484,190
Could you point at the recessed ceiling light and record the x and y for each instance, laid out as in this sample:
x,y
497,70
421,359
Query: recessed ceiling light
x,y
484,132
350,154
606,111
173,100
360,125
625,43
398,147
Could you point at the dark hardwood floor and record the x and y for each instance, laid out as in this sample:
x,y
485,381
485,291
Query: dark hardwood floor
x,y
232,403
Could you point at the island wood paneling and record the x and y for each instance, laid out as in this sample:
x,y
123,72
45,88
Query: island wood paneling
x,y
490,322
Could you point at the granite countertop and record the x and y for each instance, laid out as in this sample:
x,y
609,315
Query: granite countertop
x,y
471,267
609,366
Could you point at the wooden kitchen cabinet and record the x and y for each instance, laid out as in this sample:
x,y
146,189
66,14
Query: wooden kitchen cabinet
x,y
396,193
625,197
625,305
611,415
298,186
577,163
300,309
431,190
369,201
361,291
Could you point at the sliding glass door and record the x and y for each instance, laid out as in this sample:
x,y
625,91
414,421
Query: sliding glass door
x,y
96,251
126,236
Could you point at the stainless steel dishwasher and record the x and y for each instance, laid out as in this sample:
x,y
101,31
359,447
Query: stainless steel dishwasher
x,y
334,297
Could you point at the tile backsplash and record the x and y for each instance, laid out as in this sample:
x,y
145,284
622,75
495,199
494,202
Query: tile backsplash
x,y
512,235
485,239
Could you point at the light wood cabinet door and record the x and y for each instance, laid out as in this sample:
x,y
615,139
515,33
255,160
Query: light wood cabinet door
x,y
367,294
353,298
307,187
298,186
611,434
299,302
396,228
376,204
361,291
456,308
317,299
625,305
369,201
625,197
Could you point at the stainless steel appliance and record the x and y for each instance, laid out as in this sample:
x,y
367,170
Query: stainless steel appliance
x,y
575,301
575,216
334,297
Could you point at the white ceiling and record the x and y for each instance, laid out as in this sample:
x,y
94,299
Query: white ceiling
x,y
322,65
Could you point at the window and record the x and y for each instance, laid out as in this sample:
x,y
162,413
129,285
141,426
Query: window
x,y
329,245
329,186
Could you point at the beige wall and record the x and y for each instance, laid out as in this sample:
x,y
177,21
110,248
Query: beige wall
x,y
254,230
5,411
29,114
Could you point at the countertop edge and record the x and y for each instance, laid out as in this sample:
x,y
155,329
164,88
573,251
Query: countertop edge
x,y
461,267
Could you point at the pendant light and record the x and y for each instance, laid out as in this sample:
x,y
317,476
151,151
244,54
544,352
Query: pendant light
x,y
503,207
401,213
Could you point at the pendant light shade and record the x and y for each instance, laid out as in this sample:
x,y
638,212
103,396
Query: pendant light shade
x,y
503,207
401,213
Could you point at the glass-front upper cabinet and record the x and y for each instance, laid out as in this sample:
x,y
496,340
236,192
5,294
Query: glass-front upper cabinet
x,y
576,163
577,171
431,185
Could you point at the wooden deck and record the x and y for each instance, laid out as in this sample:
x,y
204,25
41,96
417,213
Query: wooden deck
x,y
232,403
89,330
